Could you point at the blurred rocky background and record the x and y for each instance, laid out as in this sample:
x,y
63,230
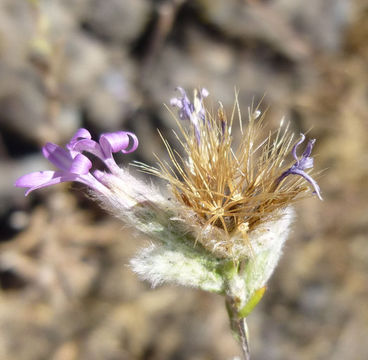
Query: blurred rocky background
x,y
66,290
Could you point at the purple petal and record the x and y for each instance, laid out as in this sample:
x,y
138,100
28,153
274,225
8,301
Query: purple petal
x,y
99,175
35,178
176,102
102,177
80,165
38,180
302,138
58,156
79,135
305,163
63,159
74,165
309,148
133,143
123,141
89,146
307,177
190,111
183,103
204,92
183,93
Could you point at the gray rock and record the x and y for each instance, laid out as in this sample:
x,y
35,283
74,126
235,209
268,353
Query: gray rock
x,y
121,21
22,103
114,97
291,27
85,61
322,23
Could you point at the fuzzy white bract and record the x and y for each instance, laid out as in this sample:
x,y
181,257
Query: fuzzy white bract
x,y
176,257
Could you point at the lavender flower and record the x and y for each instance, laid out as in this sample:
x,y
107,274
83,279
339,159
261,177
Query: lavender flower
x,y
73,165
305,162
191,111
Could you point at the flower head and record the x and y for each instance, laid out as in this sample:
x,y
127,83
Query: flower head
x,y
73,165
225,225
229,192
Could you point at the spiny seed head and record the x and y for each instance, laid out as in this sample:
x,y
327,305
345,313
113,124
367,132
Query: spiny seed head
x,y
230,190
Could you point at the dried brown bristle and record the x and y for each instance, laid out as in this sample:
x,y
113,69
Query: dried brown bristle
x,y
228,188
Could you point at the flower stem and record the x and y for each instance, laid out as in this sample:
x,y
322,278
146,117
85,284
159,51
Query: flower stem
x,y
238,326
243,337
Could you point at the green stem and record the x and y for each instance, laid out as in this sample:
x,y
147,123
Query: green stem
x,y
243,337
238,326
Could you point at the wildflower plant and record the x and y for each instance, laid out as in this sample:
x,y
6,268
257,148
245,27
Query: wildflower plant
x,y
223,227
